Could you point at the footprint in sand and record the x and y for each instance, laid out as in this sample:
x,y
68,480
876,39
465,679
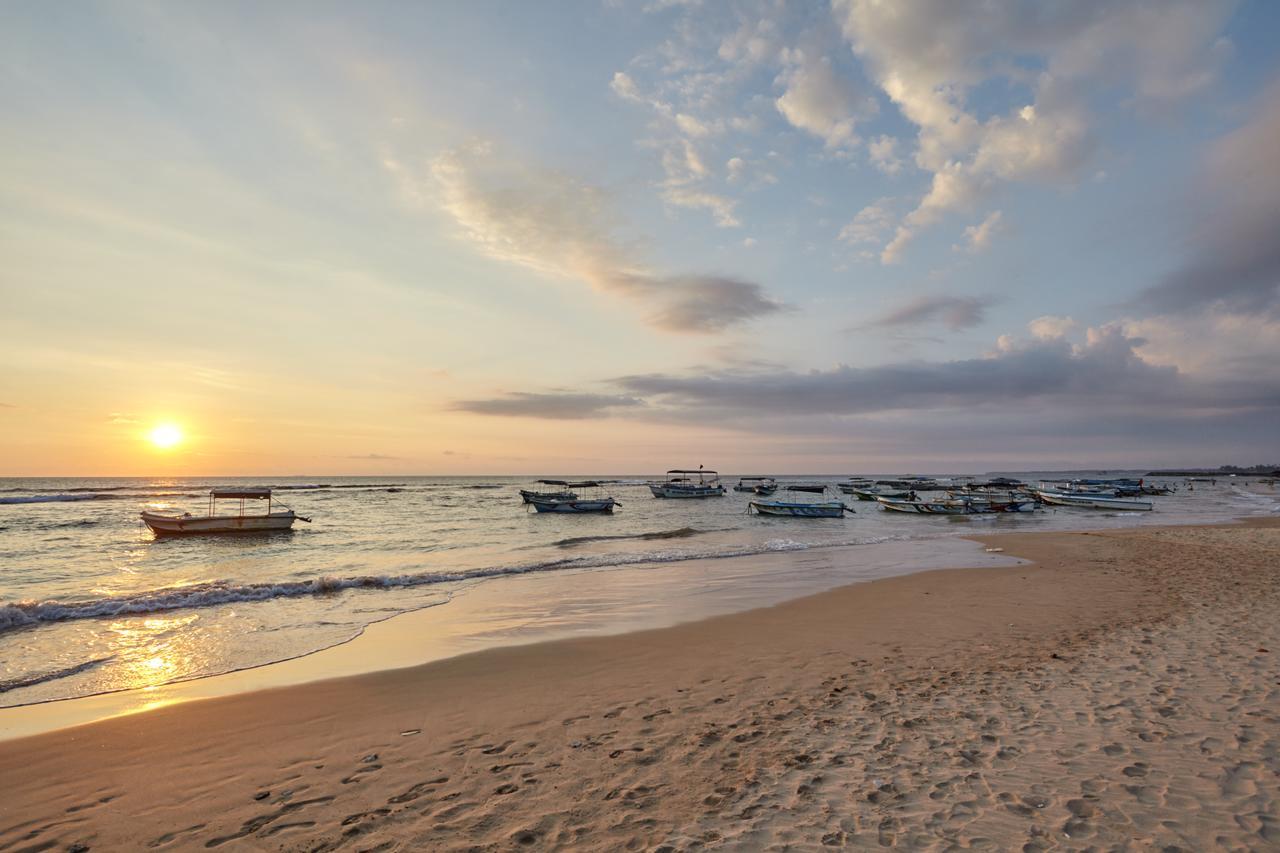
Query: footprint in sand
x,y
368,768
417,790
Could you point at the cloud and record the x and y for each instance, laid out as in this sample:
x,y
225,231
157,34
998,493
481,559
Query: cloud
x,y
721,207
883,152
957,312
1049,326
123,419
927,56
820,101
557,405
1234,259
1105,372
870,224
375,457
977,238
559,226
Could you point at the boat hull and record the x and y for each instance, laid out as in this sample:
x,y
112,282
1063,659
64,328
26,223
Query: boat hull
x,y
831,509
602,505
663,491
899,505
1095,502
171,525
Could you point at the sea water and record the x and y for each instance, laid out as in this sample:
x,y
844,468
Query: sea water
x,y
92,602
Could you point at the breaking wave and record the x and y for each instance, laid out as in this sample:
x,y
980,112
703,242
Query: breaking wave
x,y
679,533
51,675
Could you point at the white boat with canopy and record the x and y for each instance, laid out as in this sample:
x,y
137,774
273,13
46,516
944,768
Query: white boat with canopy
x,y
681,484
239,522
594,501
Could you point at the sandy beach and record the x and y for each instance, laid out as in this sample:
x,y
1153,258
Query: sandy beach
x,y
1121,690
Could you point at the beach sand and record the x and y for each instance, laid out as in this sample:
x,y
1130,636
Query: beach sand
x,y
1122,690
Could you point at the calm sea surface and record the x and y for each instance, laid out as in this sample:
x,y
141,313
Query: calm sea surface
x,y
91,602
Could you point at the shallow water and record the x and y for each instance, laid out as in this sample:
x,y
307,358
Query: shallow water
x,y
91,602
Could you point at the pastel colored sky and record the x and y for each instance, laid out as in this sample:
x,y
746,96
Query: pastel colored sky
x,y
620,237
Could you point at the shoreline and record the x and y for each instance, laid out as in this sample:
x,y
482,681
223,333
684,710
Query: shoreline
x,y
746,728
492,614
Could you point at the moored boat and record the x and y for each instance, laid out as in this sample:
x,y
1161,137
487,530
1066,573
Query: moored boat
x,y
755,484
898,504
164,524
563,493
1087,501
800,509
681,484
595,502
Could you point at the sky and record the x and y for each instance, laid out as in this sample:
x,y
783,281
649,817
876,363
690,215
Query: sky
x,y
608,237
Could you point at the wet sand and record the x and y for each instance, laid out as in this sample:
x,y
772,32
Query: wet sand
x,y
1124,688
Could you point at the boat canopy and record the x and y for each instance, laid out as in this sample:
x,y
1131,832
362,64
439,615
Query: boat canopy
x,y
687,471
582,485
254,494
745,479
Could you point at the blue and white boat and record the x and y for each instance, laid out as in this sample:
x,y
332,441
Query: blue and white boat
x,y
800,509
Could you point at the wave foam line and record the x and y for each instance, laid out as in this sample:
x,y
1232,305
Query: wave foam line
x,y
51,675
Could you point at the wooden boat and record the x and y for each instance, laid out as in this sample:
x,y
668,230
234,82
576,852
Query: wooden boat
x,y
163,524
764,490
528,496
854,483
874,494
1094,501
680,484
754,484
800,509
812,488
591,503
898,504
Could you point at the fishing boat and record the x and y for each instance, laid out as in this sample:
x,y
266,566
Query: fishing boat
x,y
163,524
680,483
1085,501
812,488
563,493
765,489
800,509
854,483
897,504
596,502
753,484
875,493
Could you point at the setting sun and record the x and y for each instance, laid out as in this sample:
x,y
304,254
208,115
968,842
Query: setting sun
x,y
165,436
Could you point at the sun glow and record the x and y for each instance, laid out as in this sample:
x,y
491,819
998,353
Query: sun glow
x,y
165,436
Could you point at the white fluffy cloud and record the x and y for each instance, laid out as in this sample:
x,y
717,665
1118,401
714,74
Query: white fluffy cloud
x,y
819,100
1049,327
977,238
928,55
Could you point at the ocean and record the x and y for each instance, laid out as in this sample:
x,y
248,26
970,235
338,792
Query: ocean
x,y
91,602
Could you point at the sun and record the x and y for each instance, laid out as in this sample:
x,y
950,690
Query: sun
x,y
165,436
